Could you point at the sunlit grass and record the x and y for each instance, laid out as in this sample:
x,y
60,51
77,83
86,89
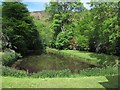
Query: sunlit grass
x,y
93,58
83,82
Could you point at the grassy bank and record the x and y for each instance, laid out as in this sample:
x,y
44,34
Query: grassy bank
x,y
105,71
83,82
93,58
108,71
98,77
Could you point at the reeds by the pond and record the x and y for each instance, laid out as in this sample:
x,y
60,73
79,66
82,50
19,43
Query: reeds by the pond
x,y
107,71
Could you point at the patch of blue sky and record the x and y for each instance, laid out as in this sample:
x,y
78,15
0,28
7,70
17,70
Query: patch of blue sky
x,y
40,6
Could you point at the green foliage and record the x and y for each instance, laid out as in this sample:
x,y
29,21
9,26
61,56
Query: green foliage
x,y
52,74
60,15
7,71
83,30
105,27
8,57
108,71
82,43
43,27
63,39
95,30
19,27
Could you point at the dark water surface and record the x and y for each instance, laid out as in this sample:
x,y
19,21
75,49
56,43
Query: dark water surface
x,y
38,63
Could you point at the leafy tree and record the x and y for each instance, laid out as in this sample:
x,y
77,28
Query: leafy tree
x,y
83,30
63,40
20,28
106,26
45,32
61,16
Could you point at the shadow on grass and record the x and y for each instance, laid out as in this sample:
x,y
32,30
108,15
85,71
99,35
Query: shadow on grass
x,y
105,59
113,83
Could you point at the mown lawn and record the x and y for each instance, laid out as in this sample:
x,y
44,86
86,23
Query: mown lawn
x,y
81,82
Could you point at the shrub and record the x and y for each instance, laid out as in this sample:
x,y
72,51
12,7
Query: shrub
x,y
63,39
82,43
8,57
52,74
20,28
7,71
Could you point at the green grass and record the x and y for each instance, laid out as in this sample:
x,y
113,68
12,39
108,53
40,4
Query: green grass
x,y
77,81
8,57
82,82
8,71
93,58
107,71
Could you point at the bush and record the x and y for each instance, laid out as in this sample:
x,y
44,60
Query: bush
x,y
63,39
20,28
82,43
7,71
52,74
8,57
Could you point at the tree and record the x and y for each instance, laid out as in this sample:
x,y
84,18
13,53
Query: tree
x,y
20,28
83,30
106,30
61,16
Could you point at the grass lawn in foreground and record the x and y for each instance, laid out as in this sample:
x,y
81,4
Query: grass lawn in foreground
x,y
81,82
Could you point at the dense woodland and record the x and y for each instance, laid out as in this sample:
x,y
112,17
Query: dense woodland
x,y
71,26
95,30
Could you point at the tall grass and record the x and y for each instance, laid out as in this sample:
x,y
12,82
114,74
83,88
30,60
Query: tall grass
x,y
108,71
52,74
7,71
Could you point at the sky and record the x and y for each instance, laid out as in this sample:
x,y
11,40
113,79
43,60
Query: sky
x,y
40,6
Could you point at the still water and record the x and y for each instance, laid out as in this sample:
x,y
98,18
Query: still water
x,y
38,63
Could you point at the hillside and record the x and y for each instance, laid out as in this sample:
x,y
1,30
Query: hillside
x,y
38,14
